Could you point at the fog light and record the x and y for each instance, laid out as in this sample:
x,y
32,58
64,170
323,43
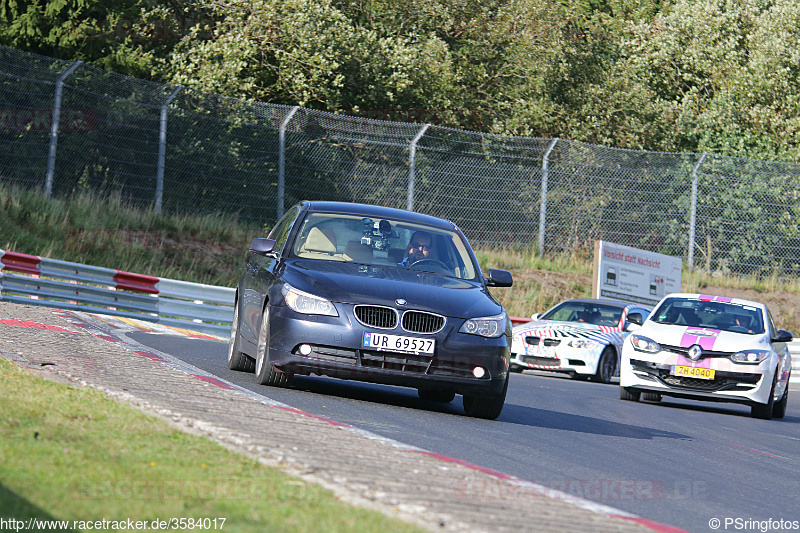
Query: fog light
x,y
478,372
305,349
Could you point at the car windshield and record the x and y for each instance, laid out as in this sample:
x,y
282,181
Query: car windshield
x,y
384,242
725,316
587,312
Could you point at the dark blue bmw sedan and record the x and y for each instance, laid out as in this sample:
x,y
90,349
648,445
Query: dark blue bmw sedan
x,y
373,294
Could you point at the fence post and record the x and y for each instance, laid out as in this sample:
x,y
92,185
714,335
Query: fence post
x,y
412,165
51,157
282,158
543,201
162,148
693,213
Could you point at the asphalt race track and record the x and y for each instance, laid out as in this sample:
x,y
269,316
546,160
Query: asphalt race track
x,y
681,463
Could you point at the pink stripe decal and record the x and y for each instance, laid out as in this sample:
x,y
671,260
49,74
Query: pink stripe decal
x,y
28,264
709,298
136,282
705,363
705,337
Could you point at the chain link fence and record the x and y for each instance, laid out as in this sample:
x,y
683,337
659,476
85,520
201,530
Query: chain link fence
x,y
67,127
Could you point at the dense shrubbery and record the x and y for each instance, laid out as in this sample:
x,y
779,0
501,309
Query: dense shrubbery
x,y
675,75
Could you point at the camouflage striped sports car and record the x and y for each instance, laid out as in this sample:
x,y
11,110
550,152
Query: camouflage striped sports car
x,y
581,337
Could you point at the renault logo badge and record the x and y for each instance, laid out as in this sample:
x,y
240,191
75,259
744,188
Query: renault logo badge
x,y
695,352
400,301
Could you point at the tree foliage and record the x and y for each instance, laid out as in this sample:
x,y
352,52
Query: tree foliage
x,y
675,75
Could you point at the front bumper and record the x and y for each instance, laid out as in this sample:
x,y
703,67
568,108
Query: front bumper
x,y
732,382
569,360
337,351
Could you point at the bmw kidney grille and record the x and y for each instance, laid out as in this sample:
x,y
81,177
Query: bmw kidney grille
x,y
387,318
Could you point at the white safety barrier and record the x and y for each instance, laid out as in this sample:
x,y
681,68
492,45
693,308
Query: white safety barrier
x,y
74,286
794,349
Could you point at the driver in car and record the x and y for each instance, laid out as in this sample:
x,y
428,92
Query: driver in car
x,y
419,248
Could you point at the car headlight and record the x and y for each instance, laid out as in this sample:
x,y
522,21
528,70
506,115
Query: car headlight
x,y
752,357
302,302
641,343
583,344
493,326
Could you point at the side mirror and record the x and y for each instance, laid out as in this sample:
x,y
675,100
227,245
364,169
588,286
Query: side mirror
x,y
535,316
636,318
783,336
499,278
262,246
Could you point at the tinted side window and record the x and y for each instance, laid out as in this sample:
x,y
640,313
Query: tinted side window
x,y
280,232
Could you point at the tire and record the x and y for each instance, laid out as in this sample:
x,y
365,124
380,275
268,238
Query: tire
x,y
483,407
237,360
629,394
779,409
516,369
651,396
764,410
442,396
606,366
266,374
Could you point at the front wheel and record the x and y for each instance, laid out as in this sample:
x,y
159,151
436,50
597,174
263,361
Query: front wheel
x,y
483,407
606,366
629,394
764,410
266,374
779,409
237,360
651,396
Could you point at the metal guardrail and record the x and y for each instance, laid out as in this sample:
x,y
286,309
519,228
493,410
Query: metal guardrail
x,y
74,286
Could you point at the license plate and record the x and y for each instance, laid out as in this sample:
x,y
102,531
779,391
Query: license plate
x,y
693,372
542,351
397,343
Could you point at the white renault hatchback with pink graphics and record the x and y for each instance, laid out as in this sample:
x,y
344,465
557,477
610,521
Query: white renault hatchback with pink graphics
x,y
709,348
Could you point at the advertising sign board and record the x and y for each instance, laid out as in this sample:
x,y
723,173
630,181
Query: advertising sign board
x,y
633,275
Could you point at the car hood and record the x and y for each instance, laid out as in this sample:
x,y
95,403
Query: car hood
x,y
709,339
360,284
556,328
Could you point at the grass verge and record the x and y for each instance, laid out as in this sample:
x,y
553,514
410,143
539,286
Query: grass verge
x,y
73,454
